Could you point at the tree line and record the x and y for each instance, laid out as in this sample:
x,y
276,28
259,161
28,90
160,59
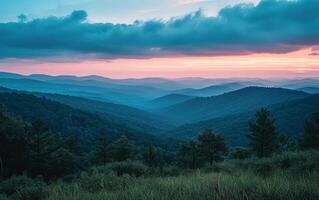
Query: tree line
x,y
263,137
33,149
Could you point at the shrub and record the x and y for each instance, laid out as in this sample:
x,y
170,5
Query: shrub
x,y
169,171
22,187
96,182
133,168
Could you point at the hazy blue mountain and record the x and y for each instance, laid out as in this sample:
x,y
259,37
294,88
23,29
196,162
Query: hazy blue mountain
x,y
299,83
154,83
91,92
168,100
10,75
161,83
311,90
243,100
290,117
133,117
212,90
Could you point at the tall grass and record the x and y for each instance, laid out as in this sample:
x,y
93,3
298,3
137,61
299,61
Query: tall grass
x,y
288,177
219,186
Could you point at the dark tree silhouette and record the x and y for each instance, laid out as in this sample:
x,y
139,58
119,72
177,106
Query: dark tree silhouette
x,y
123,149
42,144
150,156
13,144
101,152
263,135
310,137
188,155
211,146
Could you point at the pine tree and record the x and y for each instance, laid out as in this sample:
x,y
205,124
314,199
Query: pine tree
x,y
211,146
123,149
42,144
263,134
13,144
310,137
150,156
188,155
102,150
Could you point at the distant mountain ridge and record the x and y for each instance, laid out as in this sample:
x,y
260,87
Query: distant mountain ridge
x,y
168,100
289,117
213,90
243,100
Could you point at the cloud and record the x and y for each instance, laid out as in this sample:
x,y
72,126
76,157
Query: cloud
x,y
273,26
314,51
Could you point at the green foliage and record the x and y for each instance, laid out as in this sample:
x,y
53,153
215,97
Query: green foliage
x,y
211,146
42,144
263,135
240,153
189,155
95,182
287,143
84,124
13,144
292,163
132,168
150,156
24,188
310,137
101,152
208,147
123,149
240,183
34,149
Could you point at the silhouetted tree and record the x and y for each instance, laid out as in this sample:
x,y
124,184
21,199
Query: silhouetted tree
x,y
101,152
188,155
263,134
13,144
42,143
310,137
123,149
150,156
211,146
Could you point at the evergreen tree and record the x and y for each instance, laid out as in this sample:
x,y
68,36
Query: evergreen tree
x,y
42,144
263,134
194,154
102,150
13,144
188,155
150,156
310,137
123,149
211,146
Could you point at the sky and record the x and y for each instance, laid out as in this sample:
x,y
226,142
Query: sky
x,y
167,38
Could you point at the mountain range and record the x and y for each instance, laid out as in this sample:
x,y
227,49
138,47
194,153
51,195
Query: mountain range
x,y
156,110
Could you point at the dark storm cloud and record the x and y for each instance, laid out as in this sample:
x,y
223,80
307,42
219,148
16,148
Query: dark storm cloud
x,y
274,26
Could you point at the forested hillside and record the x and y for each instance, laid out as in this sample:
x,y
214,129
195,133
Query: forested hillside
x,y
69,121
239,101
289,116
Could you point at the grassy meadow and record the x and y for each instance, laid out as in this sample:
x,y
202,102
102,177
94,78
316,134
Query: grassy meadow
x,y
292,175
